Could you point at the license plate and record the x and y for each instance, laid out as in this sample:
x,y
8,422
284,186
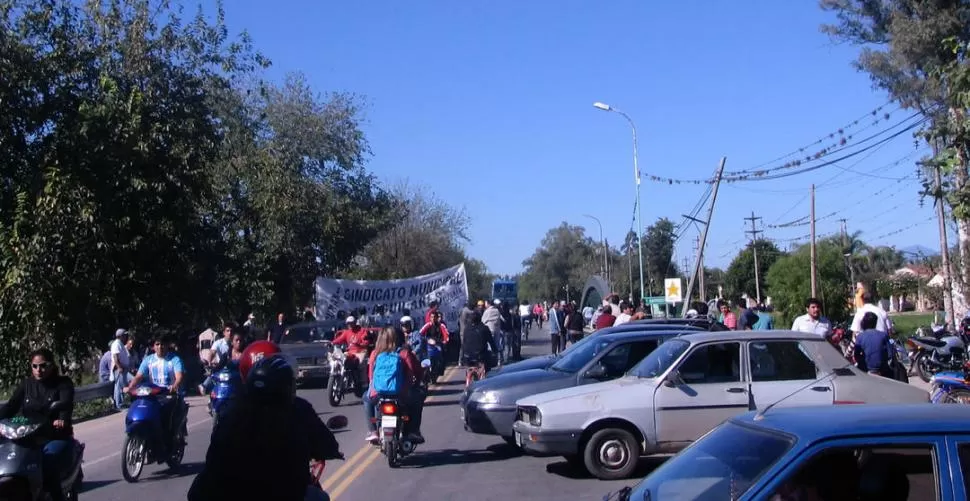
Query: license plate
x,y
388,421
518,439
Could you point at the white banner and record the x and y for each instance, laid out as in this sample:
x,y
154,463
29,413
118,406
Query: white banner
x,y
449,287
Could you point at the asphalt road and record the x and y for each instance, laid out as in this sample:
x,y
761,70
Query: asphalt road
x,y
451,465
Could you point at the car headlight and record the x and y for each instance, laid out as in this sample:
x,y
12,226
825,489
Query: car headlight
x,y
485,397
536,417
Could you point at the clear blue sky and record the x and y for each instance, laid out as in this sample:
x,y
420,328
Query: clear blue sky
x,y
489,104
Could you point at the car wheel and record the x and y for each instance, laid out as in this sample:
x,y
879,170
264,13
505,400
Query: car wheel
x,y
611,454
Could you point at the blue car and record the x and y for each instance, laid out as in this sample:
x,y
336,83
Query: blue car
x,y
918,452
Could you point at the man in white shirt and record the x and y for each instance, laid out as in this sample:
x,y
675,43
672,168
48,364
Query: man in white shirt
x,y
120,369
813,322
625,315
883,323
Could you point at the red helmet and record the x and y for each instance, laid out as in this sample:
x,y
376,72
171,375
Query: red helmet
x,y
255,352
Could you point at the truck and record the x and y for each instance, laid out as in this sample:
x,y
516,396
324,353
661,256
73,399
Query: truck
x,y
506,291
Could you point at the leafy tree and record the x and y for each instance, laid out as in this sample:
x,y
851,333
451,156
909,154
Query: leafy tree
x,y
658,251
789,282
916,51
739,277
563,262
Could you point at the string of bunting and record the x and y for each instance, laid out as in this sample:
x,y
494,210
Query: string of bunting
x,y
837,137
806,164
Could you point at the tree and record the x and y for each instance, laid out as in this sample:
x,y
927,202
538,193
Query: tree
x,y
916,51
658,251
789,282
563,262
739,277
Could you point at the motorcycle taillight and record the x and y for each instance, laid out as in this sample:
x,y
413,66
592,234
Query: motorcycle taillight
x,y
389,409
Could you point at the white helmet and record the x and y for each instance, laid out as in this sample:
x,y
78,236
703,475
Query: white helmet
x,y
406,319
350,320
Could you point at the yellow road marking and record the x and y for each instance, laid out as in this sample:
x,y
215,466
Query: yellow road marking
x,y
364,458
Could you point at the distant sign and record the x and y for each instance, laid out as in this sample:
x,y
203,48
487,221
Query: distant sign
x,y
657,300
673,290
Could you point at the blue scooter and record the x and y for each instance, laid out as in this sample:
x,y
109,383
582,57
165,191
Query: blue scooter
x,y
227,380
149,439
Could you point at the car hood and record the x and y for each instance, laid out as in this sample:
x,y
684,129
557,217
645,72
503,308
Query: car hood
x,y
581,391
540,362
306,349
522,383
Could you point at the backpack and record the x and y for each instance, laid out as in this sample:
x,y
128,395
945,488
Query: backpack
x,y
388,373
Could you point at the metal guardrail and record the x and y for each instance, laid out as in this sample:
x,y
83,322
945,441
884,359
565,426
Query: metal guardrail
x,y
88,392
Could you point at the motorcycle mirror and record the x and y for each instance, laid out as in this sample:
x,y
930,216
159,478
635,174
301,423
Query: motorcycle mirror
x,y
337,422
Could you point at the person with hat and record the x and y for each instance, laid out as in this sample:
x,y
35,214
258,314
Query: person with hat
x,y
120,366
358,343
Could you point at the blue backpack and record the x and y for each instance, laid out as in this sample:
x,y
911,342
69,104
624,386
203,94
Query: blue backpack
x,y
388,373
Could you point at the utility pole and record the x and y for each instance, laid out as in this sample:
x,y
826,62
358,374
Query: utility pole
x,y
686,263
754,248
847,254
812,219
710,214
701,291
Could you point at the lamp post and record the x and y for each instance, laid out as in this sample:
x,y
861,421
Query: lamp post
x,y
606,266
636,175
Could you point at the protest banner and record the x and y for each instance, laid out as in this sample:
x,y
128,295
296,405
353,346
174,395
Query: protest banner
x,y
337,296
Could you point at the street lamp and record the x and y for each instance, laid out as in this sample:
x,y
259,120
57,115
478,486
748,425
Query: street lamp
x,y
606,266
636,174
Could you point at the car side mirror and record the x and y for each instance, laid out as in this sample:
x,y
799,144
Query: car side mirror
x,y
673,379
597,371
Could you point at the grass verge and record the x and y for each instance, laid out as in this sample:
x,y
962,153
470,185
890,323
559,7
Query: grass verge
x,y
907,323
93,409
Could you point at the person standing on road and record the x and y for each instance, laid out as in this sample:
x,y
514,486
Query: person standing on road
x,y
120,366
606,319
883,323
492,318
626,314
555,328
812,321
276,331
574,326
525,318
872,349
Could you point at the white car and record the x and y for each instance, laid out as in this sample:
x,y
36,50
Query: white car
x,y
686,387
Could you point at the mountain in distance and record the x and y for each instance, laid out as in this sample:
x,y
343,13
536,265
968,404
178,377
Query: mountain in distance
x,y
918,251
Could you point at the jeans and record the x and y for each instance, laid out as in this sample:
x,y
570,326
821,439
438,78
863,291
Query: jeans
x,y
121,380
554,338
499,339
56,458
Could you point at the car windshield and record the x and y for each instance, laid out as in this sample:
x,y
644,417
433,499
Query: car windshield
x,y
303,334
659,360
723,464
577,358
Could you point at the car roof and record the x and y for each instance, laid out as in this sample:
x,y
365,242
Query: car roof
x,y
820,422
700,337
650,327
636,334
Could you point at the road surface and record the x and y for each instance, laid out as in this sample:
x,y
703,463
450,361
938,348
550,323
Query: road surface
x,y
451,465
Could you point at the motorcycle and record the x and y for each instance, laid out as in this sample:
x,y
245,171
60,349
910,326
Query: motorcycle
x,y
392,438
148,438
938,352
226,380
437,366
950,387
21,469
343,379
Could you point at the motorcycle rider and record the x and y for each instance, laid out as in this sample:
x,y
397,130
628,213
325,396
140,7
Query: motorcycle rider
x,y
475,344
268,433
412,399
357,341
164,368
33,399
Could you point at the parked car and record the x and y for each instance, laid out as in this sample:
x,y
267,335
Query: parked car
x,y
885,452
686,387
488,406
309,343
544,361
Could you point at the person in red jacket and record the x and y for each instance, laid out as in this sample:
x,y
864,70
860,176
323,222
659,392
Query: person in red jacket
x,y
358,342
606,319
410,394
432,309
436,329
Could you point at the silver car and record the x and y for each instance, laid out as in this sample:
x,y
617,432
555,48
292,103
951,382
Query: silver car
x,y
686,387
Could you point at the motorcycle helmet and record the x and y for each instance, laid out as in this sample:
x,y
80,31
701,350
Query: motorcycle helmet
x,y
253,353
272,379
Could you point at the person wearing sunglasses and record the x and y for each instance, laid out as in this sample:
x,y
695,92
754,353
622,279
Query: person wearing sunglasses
x,y
34,399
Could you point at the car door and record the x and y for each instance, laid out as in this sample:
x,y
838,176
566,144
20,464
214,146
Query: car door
x,y
782,373
710,390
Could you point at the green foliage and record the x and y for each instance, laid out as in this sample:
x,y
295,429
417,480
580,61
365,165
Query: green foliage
x,y
658,250
789,282
739,277
565,259
146,187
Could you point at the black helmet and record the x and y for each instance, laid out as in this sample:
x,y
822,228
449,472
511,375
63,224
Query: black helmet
x,y
272,379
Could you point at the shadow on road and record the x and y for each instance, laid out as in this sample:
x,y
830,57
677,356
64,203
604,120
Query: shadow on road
x,y
440,403
451,383
184,470
87,486
441,393
497,452
566,470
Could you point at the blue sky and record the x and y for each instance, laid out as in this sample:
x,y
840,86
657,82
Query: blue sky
x,y
489,104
